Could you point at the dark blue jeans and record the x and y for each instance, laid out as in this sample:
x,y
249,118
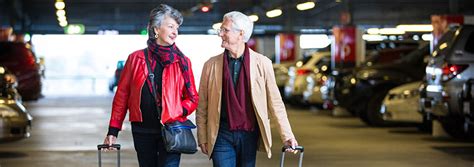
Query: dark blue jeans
x,y
235,149
151,151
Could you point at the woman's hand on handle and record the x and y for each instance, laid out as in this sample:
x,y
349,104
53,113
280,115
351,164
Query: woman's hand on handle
x,y
109,140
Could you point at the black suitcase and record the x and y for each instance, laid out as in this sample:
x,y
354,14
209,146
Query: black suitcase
x,y
101,146
299,148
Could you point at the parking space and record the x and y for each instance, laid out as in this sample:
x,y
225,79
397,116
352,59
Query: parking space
x,y
66,130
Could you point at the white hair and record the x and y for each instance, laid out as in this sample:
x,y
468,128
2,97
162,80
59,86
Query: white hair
x,y
242,22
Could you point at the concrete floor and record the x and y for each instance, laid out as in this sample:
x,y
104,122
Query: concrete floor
x,y
66,131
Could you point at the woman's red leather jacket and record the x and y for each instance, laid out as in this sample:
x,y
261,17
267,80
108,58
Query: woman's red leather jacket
x,y
173,96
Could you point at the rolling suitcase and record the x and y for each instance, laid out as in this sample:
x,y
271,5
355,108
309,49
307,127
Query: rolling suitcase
x,y
299,148
101,146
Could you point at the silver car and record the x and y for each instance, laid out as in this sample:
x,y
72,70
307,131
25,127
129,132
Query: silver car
x,y
281,74
449,77
401,104
15,121
297,83
316,86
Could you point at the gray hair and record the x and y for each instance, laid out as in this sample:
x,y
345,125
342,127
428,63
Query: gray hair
x,y
242,22
157,15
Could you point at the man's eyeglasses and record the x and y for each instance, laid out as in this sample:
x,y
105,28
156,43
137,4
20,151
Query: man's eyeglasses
x,y
224,31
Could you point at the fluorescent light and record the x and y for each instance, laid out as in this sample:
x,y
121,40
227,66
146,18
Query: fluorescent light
x,y
385,31
372,37
312,30
443,45
216,26
314,41
274,13
305,6
391,31
416,27
427,37
373,31
59,5
253,17
60,13
63,23
62,18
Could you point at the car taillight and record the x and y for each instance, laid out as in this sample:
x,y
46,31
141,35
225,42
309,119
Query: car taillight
x,y
451,70
322,80
302,71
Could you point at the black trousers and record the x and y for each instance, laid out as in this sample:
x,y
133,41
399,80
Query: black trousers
x,y
152,153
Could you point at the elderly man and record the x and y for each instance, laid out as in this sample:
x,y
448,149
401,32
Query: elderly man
x,y
238,96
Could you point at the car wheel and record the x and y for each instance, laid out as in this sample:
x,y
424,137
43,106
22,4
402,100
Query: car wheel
x,y
455,126
372,115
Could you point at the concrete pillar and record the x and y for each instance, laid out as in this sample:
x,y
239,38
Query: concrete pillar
x,y
438,130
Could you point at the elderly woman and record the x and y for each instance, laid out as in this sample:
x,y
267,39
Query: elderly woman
x,y
176,94
238,96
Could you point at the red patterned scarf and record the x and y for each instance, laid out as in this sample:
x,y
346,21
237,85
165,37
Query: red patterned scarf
x,y
167,55
239,106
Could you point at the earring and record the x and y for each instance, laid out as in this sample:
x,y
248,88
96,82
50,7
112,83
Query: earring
x,y
156,35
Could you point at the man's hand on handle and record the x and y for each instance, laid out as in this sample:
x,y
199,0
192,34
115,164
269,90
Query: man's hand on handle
x,y
292,143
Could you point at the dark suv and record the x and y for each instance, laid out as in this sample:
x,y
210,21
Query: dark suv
x,y
364,90
449,77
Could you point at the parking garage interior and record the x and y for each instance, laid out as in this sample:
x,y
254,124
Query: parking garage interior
x,y
364,82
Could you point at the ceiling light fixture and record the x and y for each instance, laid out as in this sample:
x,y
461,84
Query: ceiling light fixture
x,y
274,13
205,9
59,5
253,17
373,31
60,13
416,27
305,5
216,26
63,23
391,31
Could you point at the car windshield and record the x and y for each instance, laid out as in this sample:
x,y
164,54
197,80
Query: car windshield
x,y
469,47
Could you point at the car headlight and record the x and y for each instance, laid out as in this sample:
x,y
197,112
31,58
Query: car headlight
x,y
7,112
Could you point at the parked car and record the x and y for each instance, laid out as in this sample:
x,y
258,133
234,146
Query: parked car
x,y
377,53
316,83
281,75
297,83
21,61
15,119
365,89
116,78
401,105
449,77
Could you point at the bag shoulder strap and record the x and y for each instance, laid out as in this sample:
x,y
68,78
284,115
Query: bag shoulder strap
x,y
151,76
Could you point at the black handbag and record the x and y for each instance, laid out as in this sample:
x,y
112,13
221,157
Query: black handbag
x,y
177,136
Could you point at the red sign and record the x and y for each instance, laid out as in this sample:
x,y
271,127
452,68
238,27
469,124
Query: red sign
x,y
287,49
441,23
344,48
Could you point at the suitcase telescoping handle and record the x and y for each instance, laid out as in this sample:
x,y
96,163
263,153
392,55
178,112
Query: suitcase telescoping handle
x,y
283,150
101,146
